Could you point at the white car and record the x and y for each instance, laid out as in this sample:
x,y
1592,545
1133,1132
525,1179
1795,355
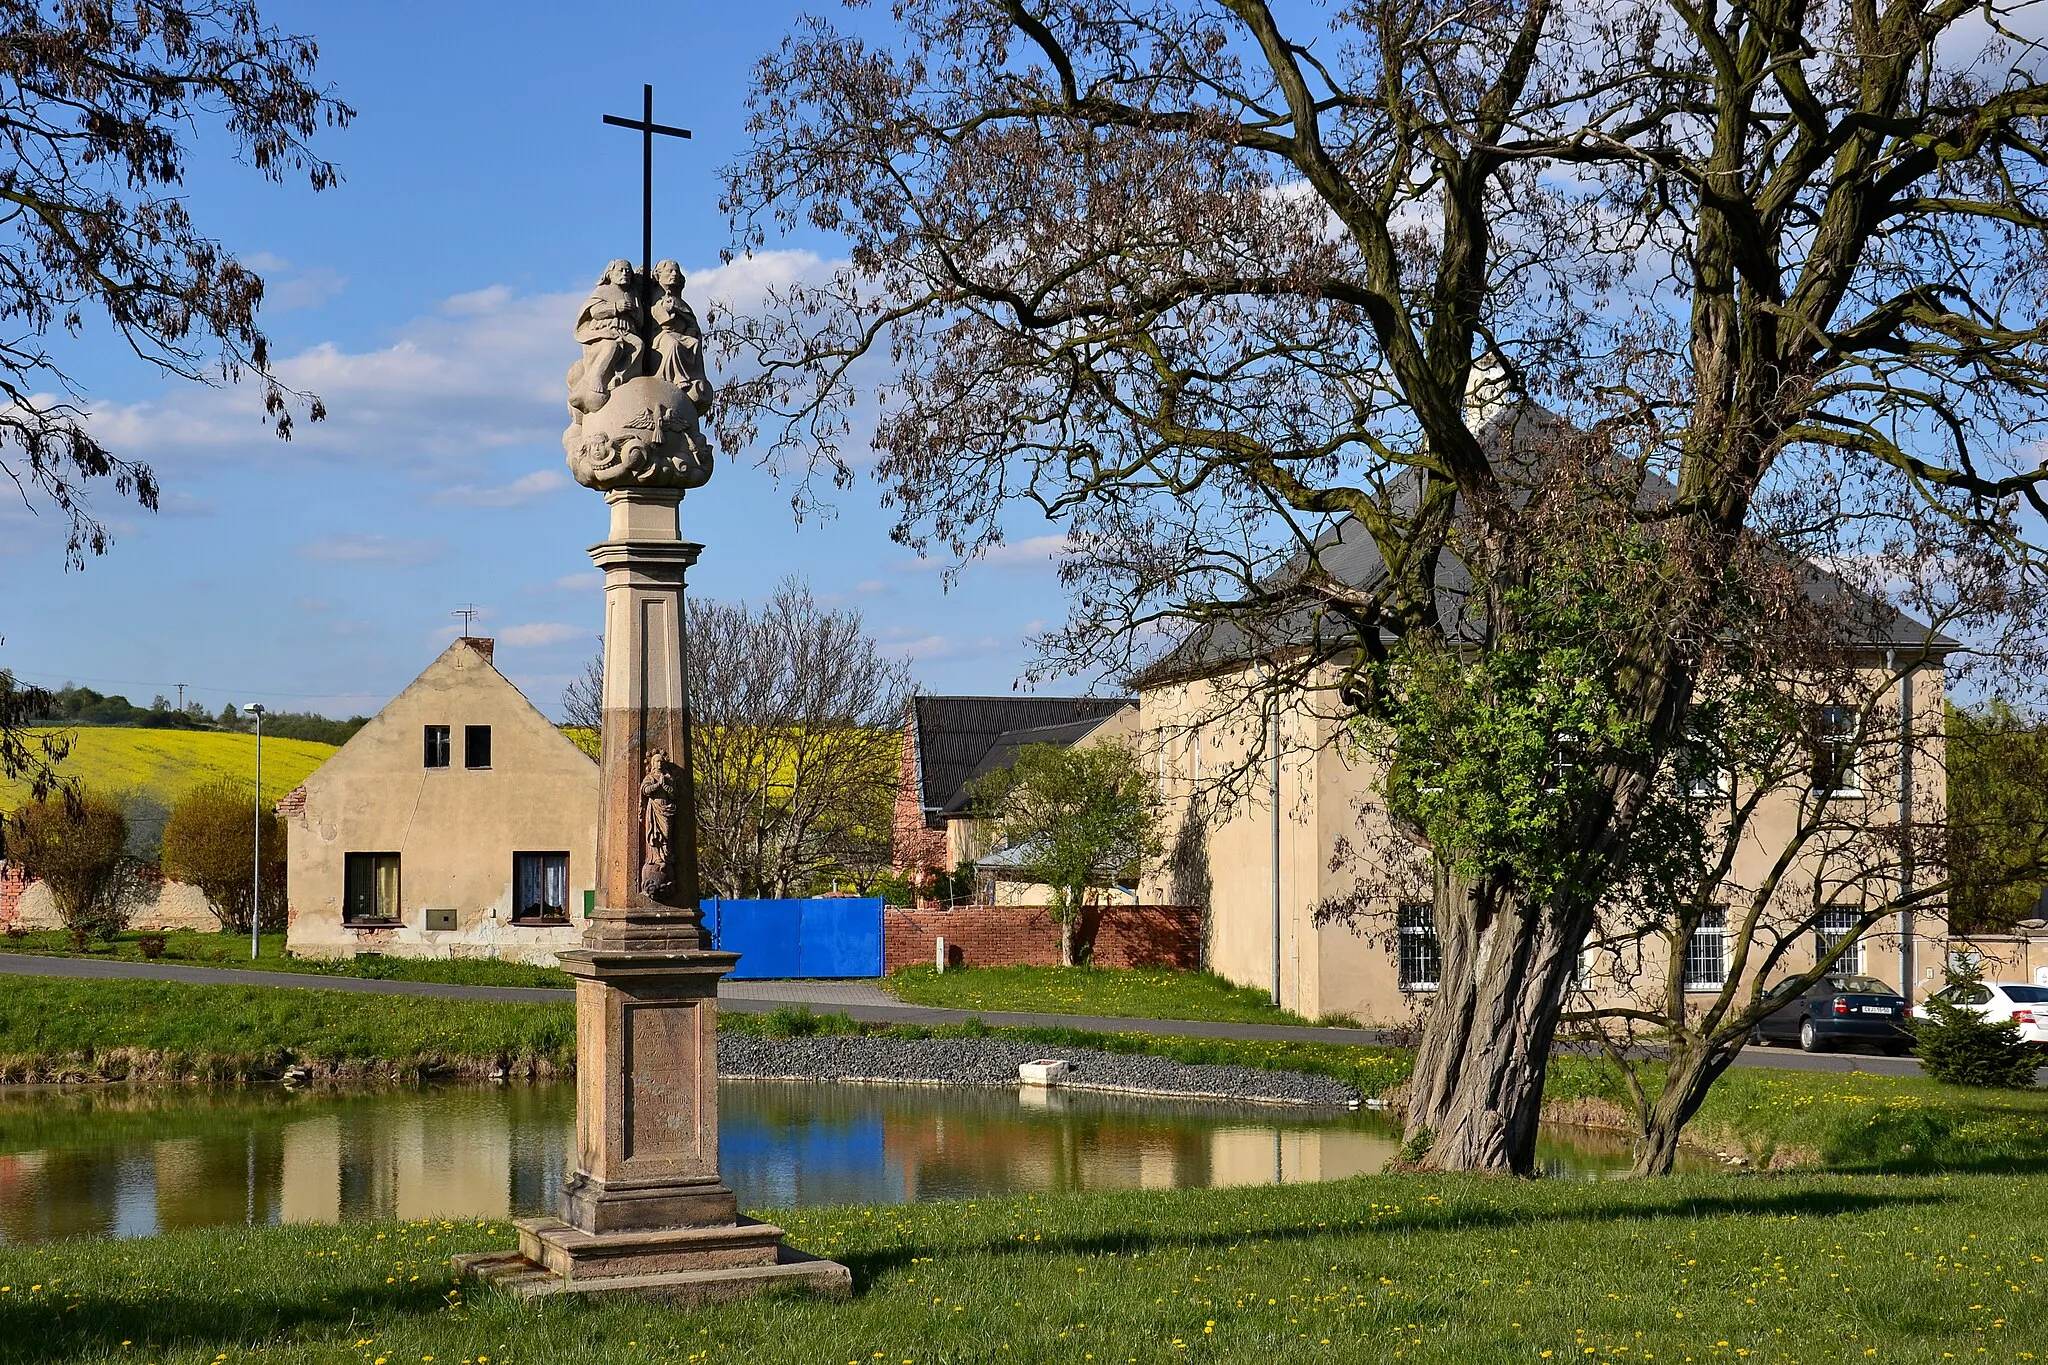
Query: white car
x,y
2025,1005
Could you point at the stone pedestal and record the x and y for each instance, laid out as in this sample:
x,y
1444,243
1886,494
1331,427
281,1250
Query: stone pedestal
x,y
645,1211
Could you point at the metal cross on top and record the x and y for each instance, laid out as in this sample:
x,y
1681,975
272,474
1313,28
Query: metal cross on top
x,y
648,128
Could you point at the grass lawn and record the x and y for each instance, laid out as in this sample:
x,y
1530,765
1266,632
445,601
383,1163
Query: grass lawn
x,y
194,948
51,1027
1704,1268
1131,993
168,763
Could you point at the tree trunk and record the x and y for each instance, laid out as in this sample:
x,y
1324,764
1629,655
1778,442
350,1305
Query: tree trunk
x,y
1688,1075
1477,1089
1066,941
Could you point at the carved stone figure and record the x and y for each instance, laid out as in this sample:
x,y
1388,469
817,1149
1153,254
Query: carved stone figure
x,y
609,327
636,395
678,340
657,820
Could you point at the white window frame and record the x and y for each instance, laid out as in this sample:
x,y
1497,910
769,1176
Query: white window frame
x,y
1829,927
1415,933
1705,782
1713,926
1834,728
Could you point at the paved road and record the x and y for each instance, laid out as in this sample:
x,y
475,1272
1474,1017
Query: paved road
x,y
859,999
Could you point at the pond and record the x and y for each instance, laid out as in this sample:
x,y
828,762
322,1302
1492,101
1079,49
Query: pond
x,y
130,1161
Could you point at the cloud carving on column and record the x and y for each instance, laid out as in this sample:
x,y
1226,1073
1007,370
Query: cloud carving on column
x,y
638,392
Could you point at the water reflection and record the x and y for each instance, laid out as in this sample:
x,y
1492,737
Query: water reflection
x,y
128,1162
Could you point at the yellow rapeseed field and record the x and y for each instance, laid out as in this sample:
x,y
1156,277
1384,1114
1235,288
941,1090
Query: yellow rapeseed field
x,y
168,763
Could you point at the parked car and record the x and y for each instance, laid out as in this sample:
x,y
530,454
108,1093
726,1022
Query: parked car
x,y
1840,1008
2025,1005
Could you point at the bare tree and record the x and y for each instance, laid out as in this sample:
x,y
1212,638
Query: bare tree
x,y
1217,294
795,743
795,740
102,104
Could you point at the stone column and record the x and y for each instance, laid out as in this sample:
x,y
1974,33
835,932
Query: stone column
x,y
644,1211
646,980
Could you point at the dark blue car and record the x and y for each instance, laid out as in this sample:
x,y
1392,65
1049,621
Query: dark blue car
x,y
1837,1009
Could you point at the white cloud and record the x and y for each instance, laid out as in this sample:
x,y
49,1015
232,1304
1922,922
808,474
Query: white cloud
x,y
482,372
587,581
1034,552
286,288
523,489
362,547
176,504
929,647
542,633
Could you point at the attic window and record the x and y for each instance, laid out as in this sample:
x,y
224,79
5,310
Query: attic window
x,y
437,746
476,746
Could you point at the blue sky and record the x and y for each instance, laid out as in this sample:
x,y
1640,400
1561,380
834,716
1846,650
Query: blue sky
x,y
428,301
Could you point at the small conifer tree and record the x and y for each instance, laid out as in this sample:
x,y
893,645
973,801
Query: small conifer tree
x,y
1959,1046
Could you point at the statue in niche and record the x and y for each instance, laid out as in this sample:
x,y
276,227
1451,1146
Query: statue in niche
x,y
678,340
610,328
657,820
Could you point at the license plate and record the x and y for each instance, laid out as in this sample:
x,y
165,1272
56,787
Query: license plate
x,y
1877,1009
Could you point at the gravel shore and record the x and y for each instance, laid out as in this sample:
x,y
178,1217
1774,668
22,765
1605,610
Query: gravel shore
x,y
994,1062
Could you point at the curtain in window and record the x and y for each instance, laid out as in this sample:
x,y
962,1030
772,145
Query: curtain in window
x,y
540,886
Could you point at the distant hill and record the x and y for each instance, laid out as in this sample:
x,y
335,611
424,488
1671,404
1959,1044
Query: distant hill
x,y
71,705
165,764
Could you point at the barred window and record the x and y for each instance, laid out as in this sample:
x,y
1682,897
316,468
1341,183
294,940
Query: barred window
x,y
1835,924
1420,958
1706,952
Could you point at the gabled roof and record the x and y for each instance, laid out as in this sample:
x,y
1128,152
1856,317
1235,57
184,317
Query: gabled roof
x,y
1517,438
958,739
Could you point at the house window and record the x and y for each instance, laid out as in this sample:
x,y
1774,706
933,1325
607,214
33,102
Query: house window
x,y
476,746
370,889
437,746
1700,765
1420,957
1706,952
540,888
1835,924
1836,731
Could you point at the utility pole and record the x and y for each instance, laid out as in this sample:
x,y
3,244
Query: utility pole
x,y
255,708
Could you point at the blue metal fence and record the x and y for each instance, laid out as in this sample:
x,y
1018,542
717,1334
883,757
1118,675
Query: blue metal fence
x,y
836,936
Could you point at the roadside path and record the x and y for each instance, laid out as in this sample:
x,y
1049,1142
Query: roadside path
x,y
859,999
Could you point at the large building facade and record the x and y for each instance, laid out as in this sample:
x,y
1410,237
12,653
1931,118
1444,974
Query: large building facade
x,y
460,822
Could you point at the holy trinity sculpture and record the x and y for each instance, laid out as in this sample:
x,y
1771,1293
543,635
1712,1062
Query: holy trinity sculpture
x,y
638,392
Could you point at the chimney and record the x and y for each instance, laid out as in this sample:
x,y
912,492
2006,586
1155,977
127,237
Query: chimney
x,y
485,646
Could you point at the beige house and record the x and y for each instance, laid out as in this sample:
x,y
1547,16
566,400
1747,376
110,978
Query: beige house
x,y
460,822
1269,820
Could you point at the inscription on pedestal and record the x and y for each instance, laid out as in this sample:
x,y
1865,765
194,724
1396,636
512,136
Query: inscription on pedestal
x,y
664,1067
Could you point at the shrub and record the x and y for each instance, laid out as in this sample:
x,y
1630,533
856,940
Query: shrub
x,y
77,845
208,844
1960,1046
152,946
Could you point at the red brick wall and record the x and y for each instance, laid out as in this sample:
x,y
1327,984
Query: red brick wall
x,y
1025,936
915,848
13,881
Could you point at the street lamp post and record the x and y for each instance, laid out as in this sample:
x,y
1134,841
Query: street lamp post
x,y
255,708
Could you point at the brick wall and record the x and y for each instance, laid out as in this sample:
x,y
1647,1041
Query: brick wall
x,y
13,881
915,848
1025,936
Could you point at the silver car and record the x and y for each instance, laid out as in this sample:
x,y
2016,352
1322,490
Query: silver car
x,y
2025,1005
